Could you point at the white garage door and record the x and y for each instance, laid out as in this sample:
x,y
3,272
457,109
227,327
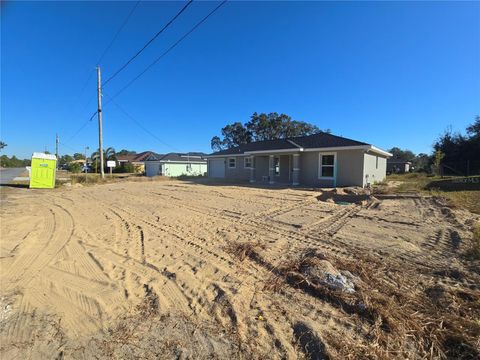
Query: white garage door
x,y
152,168
216,168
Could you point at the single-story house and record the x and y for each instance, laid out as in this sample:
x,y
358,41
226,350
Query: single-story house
x,y
176,164
395,166
137,160
322,160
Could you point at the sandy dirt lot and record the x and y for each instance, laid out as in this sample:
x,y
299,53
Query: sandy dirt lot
x,y
171,269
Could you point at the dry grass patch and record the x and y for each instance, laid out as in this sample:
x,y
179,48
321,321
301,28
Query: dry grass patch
x,y
243,250
147,333
421,183
395,318
474,251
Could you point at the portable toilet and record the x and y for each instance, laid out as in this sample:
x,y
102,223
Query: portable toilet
x,y
43,170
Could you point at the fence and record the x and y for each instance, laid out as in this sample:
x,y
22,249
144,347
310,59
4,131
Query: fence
x,y
468,167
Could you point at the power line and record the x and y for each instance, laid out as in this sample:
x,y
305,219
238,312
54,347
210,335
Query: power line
x,y
146,69
83,126
140,125
99,60
71,148
168,50
148,43
118,31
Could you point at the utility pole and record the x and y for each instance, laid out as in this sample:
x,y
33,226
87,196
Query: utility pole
x,y
56,147
86,169
99,113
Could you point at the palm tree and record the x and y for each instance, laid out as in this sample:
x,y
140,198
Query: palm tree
x,y
108,154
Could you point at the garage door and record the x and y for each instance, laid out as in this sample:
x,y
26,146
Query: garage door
x,y
216,168
152,168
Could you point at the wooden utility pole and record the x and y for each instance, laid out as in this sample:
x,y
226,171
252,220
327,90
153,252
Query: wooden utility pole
x,y
86,169
56,146
99,113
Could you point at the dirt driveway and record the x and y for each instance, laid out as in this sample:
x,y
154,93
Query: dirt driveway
x,y
176,269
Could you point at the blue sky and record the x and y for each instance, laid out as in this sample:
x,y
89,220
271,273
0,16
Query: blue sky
x,y
387,73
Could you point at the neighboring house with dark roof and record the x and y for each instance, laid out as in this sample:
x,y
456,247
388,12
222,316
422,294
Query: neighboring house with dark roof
x,y
322,159
137,160
176,164
397,166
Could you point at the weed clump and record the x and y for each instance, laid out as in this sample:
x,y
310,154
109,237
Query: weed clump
x,y
243,250
396,319
473,252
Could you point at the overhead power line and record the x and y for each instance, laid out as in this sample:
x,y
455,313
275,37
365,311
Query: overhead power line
x,y
92,71
118,32
168,50
148,43
69,147
82,127
98,61
139,124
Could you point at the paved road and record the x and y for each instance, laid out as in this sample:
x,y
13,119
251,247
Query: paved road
x,y
8,174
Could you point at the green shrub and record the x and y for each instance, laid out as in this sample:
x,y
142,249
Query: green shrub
x,y
74,167
124,168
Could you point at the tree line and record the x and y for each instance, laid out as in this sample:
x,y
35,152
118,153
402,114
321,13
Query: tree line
x,y
67,161
108,154
453,153
262,127
8,162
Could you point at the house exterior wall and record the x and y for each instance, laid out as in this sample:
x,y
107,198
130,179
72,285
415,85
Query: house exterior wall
x,y
350,168
179,169
261,168
309,170
239,171
284,176
154,168
371,172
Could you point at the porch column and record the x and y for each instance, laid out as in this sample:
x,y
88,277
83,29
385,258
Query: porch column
x,y
271,169
296,170
252,169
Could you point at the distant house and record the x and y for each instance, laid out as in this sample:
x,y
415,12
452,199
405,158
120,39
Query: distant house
x,y
176,164
322,160
395,166
137,160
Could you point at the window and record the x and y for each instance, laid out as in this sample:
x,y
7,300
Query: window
x,y
247,163
327,166
232,163
276,166
376,162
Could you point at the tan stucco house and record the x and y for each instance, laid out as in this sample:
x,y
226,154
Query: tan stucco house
x,y
322,160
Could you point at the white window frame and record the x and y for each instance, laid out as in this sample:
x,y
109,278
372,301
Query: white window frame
x,y
245,162
334,177
274,172
234,163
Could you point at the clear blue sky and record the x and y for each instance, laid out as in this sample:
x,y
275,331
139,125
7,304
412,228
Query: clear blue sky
x,y
391,74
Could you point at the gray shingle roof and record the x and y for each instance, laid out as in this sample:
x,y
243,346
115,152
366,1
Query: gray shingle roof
x,y
320,140
180,157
